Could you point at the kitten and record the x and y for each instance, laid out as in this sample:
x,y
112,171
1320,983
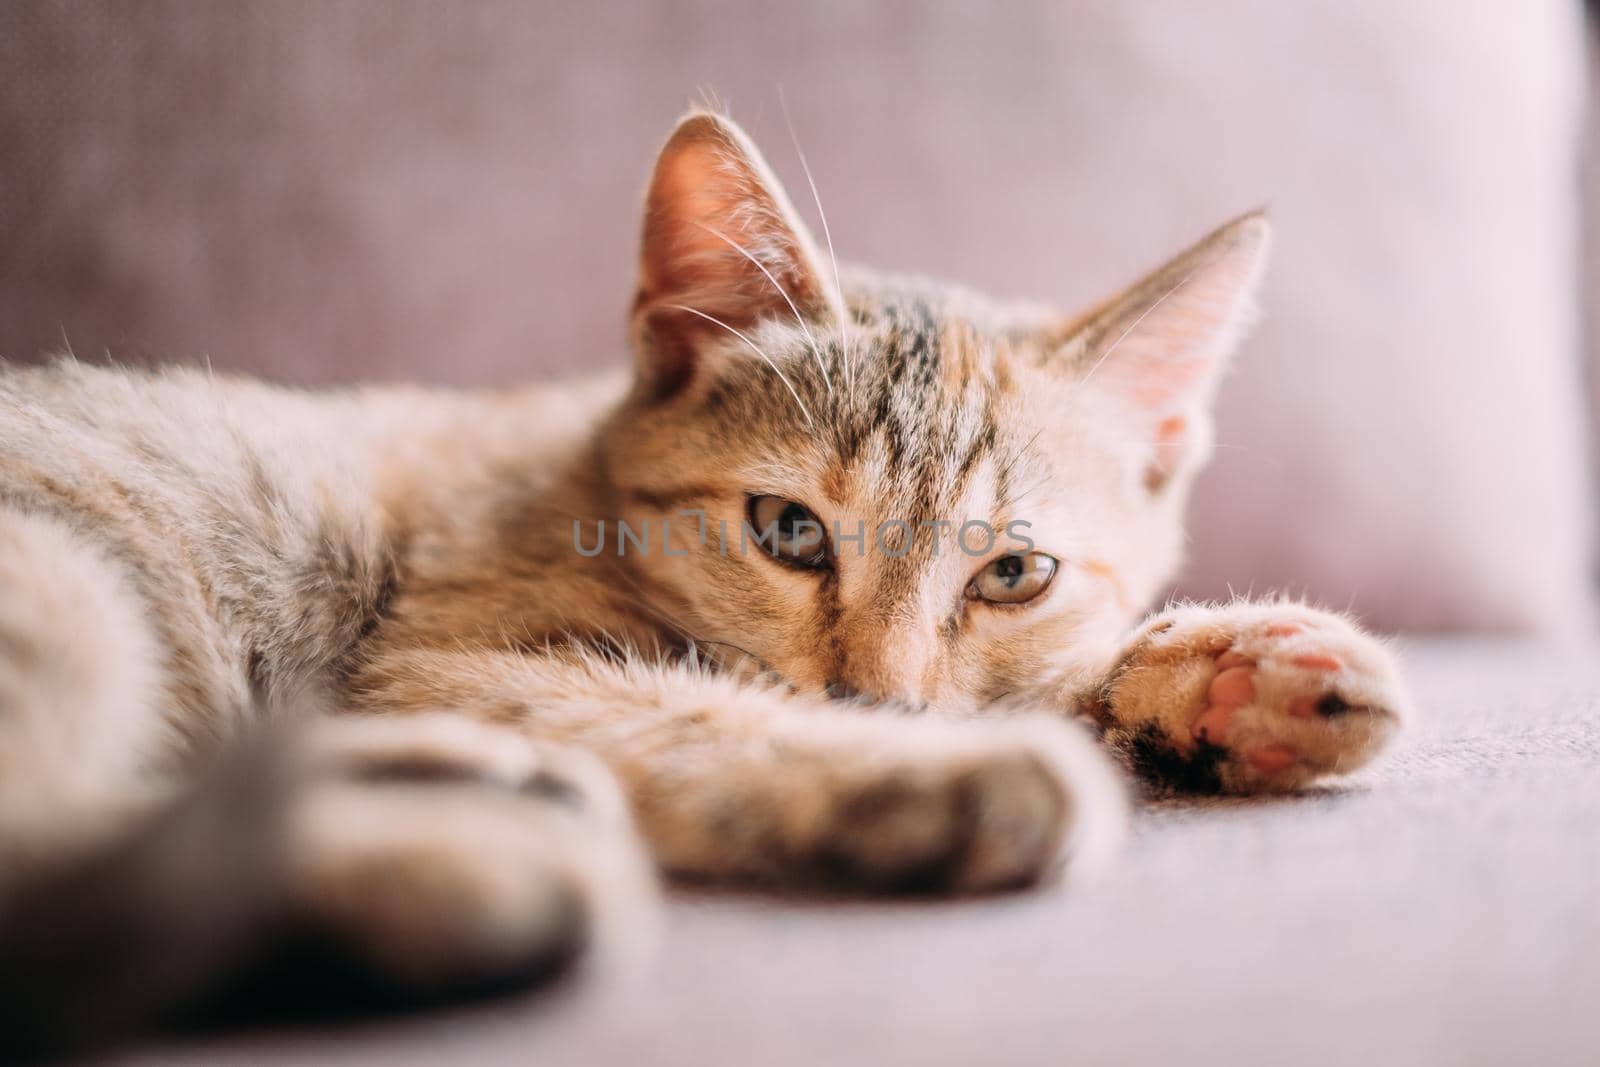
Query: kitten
x,y
813,599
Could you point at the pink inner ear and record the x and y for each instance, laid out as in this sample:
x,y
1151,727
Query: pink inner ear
x,y
718,233
1157,383
1168,335
693,196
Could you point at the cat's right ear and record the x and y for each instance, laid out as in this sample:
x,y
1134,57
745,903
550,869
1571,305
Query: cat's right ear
x,y
723,249
1158,348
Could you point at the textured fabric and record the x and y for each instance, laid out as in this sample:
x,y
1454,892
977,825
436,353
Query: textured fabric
x,y
1441,909
329,191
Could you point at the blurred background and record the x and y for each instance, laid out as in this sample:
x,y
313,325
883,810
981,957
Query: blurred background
x,y
361,190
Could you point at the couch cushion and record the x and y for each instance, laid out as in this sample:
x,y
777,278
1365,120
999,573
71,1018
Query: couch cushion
x,y
402,190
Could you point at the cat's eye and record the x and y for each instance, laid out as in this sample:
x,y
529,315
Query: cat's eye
x,y
789,531
1013,579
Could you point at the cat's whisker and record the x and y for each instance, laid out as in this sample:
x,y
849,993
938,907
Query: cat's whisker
x,y
1017,500
838,283
1009,469
798,318
637,598
668,619
721,662
757,350
1134,325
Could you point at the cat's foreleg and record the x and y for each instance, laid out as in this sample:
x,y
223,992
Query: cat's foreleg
x,y
397,858
335,865
730,781
432,854
1249,697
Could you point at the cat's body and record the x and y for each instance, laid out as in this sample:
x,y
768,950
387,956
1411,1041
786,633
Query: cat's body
x,y
261,530
409,579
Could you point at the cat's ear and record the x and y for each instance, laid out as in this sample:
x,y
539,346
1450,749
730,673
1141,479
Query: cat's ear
x,y
723,249
1158,348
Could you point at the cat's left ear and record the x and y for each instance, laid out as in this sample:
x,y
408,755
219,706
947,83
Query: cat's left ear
x,y
1158,348
723,249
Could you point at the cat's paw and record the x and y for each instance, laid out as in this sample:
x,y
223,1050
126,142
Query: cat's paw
x,y
970,808
429,856
1252,698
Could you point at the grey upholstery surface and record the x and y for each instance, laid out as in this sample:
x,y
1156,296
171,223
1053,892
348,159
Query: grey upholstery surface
x,y
1442,909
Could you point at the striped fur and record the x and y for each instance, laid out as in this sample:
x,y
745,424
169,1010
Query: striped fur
x,y
482,731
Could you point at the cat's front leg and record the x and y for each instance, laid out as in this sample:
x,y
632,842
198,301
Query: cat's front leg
x,y
430,855
1250,697
877,802
737,782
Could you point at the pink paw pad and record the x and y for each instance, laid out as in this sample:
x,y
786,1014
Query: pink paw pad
x,y
1270,759
1271,700
1212,725
1233,687
1231,658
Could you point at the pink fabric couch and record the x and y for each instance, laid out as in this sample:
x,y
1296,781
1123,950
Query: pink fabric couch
x,y
354,190
323,192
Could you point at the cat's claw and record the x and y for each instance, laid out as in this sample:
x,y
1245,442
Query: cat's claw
x,y
1252,698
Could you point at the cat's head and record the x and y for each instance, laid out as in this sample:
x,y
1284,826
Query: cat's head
x,y
907,491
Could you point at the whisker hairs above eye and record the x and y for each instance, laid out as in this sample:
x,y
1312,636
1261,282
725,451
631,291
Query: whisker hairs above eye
x,y
758,351
798,318
1017,500
838,283
1008,470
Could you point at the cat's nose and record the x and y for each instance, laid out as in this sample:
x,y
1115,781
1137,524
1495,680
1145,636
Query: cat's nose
x,y
842,691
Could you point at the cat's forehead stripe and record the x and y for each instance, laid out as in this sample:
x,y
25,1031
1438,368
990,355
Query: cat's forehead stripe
x,y
905,408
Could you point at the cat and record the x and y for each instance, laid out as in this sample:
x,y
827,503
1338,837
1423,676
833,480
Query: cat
x,y
844,585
